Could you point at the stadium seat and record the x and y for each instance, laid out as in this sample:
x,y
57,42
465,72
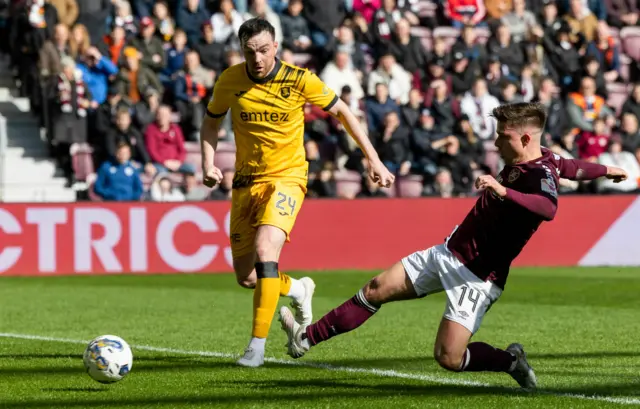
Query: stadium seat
x,y
427,9
420,32
192,147
615,33
225,146
448,34
625,70
630,40
618,94
225,159
427,43
390,192
302,59
348,183
81,160
194,158
409,186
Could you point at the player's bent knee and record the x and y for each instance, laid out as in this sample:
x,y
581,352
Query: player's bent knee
x,y
245,274
246,282
449,360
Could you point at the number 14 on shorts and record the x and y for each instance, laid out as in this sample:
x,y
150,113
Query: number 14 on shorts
x,y
470,297
286,204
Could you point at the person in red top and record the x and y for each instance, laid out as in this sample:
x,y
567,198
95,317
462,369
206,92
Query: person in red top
x,y
465,12
473,263
592,144
165,144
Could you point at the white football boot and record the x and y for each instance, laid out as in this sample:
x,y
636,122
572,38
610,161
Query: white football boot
x,y
295,348
304,313
252,358
523,372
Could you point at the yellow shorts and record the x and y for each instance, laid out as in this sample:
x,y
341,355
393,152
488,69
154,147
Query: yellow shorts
x,y
274,203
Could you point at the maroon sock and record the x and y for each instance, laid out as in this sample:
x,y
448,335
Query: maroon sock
x,y
349,316
483,357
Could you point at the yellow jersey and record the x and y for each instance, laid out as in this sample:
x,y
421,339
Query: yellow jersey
x,y
268,119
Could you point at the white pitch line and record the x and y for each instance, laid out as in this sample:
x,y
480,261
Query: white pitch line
x,y
369,371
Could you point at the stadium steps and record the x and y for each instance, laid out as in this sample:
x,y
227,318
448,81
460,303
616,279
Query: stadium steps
x,y
27,172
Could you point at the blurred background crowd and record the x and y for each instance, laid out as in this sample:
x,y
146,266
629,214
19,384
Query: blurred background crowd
x,y
121,86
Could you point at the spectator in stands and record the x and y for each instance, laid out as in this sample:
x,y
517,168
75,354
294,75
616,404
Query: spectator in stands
x,y
261,9
162,190
125,133
591,144
494,76
550,21
118,179
458,164
444,107
150,46
124,18
96,72
192,86
564,57
411,111
478,105
393,144
112,45
520,21
340,73
606,51
509,93
384,22
471,146
70,120
556,116
378,106
462,75
67,11
465,12
321,182
406,48
595,8
497,8
165,25
584,106
592,70
296,35
323,16
423,139
345,41
223,192
511,54
621,13
175,60
615,156
389,72
367,8
52,52
105,117
581,20
135,81
467,45
443,186
191,17
440,52
629,132
227,22
212,54
370,190
632,104
80,41
143,8
565,185
147,108
192,191
165,144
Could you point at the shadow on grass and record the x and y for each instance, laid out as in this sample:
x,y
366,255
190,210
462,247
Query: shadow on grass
x,y
74,390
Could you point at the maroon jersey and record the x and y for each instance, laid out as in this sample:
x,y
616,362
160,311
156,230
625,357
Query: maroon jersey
x,y
496,230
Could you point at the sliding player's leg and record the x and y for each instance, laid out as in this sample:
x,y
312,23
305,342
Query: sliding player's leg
x,y
278,204
391,285
468,300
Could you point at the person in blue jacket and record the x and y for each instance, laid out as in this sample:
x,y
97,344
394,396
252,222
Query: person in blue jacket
x,y
118,179
96,72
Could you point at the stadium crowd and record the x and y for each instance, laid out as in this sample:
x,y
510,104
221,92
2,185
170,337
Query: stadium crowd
x,y
121,86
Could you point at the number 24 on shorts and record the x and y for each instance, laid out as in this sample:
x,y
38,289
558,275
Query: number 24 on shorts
x,y
285,200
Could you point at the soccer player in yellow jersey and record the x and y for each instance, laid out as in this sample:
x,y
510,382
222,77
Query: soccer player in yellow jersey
x,y
266,97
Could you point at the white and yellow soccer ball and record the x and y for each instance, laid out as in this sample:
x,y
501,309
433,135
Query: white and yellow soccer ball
x,y
108,359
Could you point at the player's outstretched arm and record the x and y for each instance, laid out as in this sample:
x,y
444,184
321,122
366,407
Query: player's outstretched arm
x,y
576,169
211,175
377,171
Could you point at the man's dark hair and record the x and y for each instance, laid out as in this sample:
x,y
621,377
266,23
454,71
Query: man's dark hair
x,y
521,114
254,27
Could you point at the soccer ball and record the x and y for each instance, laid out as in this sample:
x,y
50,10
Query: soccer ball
x,y
108,359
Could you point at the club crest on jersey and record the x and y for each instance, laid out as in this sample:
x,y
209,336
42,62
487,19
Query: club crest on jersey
x,y
514,175
285,92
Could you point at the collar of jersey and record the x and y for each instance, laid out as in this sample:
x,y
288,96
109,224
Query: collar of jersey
x,y
269,77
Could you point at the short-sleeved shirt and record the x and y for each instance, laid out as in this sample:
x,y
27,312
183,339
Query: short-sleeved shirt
x,y
268,119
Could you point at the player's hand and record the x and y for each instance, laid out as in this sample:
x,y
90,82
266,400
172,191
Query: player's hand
x,y
211,176
616,174
380,174
485,182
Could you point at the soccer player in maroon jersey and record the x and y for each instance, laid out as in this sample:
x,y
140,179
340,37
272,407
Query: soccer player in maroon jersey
x,y
472,265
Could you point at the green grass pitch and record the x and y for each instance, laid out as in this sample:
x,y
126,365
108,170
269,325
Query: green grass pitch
x,y
580,326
